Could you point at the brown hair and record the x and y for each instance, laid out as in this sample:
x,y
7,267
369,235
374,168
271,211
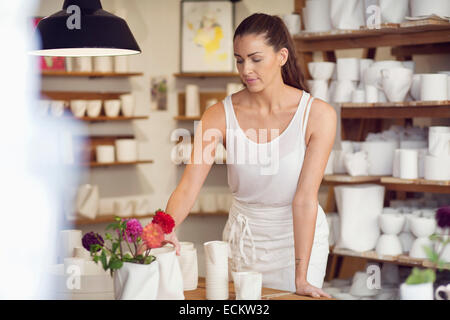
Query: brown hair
x,y
277,36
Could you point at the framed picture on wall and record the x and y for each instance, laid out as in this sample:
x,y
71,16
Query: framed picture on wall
x,y
207,36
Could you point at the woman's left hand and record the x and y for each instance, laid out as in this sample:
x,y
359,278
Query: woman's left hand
x,y
305,289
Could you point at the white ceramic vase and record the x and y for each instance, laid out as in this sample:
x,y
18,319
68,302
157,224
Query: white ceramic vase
x,y
137,281
170,277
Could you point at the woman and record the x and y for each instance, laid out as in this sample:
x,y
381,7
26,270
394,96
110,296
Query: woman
x,y
275,224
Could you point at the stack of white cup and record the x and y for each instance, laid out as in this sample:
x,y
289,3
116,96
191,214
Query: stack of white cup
x,y
216,259
321,72
189,265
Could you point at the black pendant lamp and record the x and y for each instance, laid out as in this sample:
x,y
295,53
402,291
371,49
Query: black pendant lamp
x,y
85,30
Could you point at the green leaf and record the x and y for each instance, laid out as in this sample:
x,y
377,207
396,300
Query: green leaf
x,y
104,260
115,264
96,259
113,225
418,276
432,255
435,237
115,246
149,259
108,236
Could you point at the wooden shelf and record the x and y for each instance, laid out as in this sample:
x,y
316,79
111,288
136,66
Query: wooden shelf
x,y
388,35
96,164
403,260
184,118
105,118
90,74
107,218
347,179
396,110
206,75
416,185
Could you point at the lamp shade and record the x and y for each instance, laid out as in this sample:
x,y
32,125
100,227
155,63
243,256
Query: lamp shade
x,y
83,28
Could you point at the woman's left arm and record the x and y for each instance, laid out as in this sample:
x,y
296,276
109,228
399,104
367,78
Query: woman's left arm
x,y
319,139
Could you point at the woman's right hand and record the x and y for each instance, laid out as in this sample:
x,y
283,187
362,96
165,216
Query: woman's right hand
x,y
172,238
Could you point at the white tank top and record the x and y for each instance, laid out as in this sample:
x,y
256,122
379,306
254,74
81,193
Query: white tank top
x,y
266,173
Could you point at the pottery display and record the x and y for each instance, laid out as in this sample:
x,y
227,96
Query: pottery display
x,y
359,207
170,285
247,285
112,108
357,164
439,141
347,14
87,201
319,89
433,87
78,108
292,22
105,154
321,70
121,64
421,8
192,103
316,15
94,108
126,150
396,83
104,64
127,105
381,156
347,69
394,11
216,259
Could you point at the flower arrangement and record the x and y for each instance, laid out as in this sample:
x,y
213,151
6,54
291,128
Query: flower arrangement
x,y
130,242
417,275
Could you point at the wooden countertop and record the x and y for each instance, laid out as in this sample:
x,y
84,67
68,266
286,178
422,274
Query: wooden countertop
x,y
266,294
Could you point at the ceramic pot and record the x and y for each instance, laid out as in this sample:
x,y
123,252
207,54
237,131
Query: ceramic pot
x,y
316,15
170,278
425,8
423,291
137,281
394,11
347,14
433,87
321,70
396,83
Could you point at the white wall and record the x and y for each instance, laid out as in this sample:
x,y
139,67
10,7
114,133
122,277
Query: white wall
x,y
155,25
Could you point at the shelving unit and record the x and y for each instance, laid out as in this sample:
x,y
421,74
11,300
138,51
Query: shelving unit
x,y
106,118
111,217
204,97
90,74
405,39
112,164
204,75
402,260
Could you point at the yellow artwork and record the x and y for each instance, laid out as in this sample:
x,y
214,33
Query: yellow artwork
x,y
206,37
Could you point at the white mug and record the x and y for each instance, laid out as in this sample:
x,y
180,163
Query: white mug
x,y
112,108
444,289
433,87
316,15
126,150
94,108
57,108
348,69
319,89
396,83
358,96
247,285
439,141
292,22
321,70
78,108
393,11
82,64
121,64
371,93
105,154
128,104
103,64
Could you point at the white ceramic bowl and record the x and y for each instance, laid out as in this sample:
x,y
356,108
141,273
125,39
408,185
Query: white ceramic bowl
x,y
391,223
422,227
321,70
417,251
389,245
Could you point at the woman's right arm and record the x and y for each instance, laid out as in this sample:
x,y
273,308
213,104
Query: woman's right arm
x,y
209,132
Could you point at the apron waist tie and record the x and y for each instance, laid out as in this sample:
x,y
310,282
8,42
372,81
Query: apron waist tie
x,y
239,229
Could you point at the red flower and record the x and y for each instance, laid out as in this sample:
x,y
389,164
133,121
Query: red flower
x,y
153,236
164,220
